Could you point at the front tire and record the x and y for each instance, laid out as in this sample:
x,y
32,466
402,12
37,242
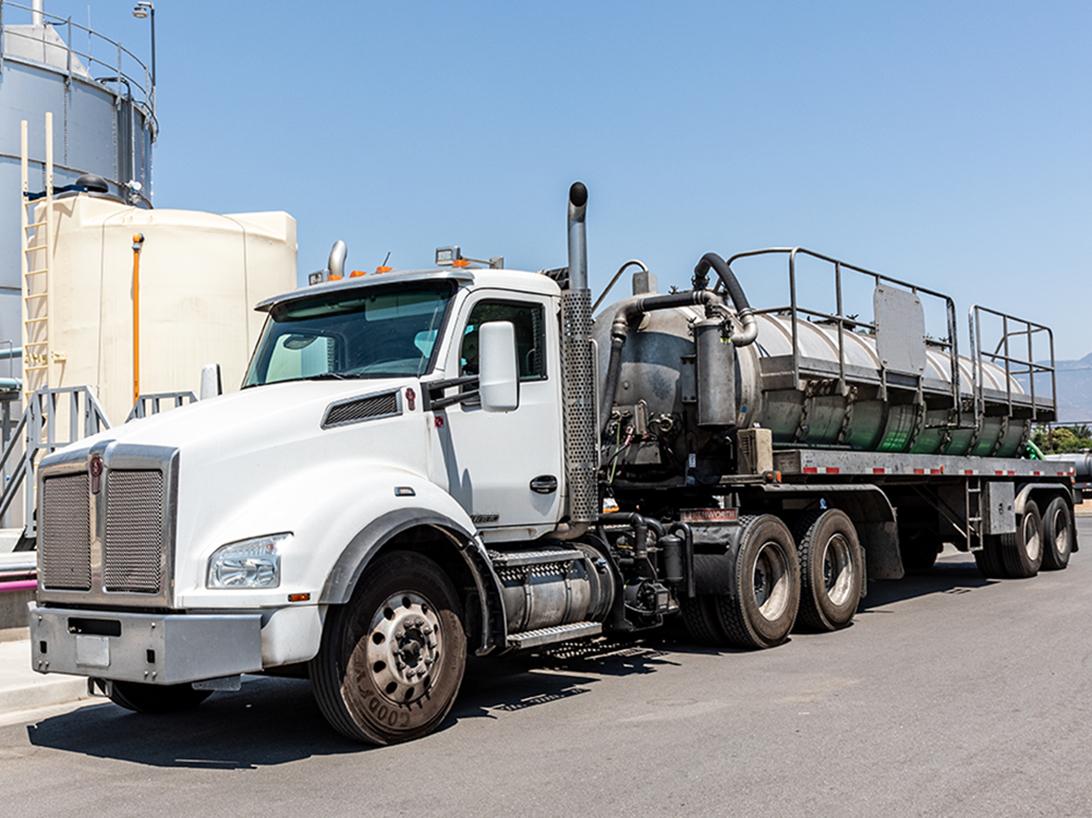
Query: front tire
x,y
391,660
1058,535
831,570
761,611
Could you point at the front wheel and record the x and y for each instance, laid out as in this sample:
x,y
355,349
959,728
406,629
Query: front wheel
x,y
761,611
391,660
831,570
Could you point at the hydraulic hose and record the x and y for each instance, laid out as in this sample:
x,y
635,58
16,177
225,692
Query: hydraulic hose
x,y
735,292
632,308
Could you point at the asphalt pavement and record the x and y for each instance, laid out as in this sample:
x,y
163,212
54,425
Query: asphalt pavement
x,y
950,695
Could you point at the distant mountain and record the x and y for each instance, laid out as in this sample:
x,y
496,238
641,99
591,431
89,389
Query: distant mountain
x,y
1074,382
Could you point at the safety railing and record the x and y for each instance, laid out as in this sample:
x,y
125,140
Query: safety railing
x,y
1014,332
53,418
851,324
121,66
153,404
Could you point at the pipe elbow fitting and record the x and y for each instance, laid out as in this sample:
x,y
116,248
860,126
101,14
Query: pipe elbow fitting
x,y
749,334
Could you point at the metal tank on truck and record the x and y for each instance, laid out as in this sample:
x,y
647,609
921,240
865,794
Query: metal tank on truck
x,y
486,487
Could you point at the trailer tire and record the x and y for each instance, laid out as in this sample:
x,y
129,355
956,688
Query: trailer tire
x,y
1058,535
919,550
989,559
1023,554
402,620
762,610
145,698
831,570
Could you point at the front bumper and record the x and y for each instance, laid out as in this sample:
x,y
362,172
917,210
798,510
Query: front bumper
x,y
155,649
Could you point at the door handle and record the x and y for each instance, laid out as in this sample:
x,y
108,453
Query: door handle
x,y
544,484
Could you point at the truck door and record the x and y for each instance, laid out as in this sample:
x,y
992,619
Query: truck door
x,y
505,468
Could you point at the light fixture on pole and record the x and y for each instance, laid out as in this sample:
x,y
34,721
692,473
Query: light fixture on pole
x,y
140,11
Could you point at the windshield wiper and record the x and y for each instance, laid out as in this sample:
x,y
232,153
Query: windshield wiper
x,y
332,376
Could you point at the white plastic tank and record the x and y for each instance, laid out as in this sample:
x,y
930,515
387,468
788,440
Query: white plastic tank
x,y
200,275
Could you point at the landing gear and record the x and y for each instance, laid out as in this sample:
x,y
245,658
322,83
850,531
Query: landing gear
x,y
391,660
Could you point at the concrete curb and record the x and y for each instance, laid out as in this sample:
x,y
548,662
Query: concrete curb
x,y
23,689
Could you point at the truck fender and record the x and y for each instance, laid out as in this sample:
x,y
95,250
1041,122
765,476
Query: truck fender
x,y
1043,494
873,515
356,556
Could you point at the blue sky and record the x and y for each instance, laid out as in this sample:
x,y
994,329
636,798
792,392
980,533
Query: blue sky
x,y
942,142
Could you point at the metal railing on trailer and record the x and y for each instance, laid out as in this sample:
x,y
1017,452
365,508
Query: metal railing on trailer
x,y
1003,355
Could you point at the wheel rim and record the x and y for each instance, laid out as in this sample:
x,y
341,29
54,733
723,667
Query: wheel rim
x,y
771,587
1061,533
404,648
837,569
1033,545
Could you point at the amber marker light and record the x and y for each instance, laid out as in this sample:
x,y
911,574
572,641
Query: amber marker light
x,y
383,269
460,262
298,597
357,273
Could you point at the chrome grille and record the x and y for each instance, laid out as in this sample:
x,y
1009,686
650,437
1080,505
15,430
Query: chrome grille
x,y
133,549
64,535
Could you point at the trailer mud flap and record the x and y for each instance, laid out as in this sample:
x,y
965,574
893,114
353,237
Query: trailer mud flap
x,y
881,546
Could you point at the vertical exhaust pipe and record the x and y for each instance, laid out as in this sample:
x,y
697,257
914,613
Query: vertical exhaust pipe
x,y
37,13
578,380
578,241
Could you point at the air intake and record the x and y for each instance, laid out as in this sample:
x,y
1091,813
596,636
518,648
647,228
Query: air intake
x,y
366,407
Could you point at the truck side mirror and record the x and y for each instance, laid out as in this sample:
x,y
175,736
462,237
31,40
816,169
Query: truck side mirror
x,y
499,366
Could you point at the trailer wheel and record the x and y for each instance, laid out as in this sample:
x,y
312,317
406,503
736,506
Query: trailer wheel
x,y
1057,535
763,608
990,562
831,573
1024,554
143,698
391,660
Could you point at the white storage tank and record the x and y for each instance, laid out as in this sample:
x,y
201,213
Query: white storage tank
x,y
200,275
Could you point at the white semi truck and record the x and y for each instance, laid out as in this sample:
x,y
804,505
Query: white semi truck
x,y
426,464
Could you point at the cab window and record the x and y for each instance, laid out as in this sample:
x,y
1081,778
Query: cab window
x,y
529,321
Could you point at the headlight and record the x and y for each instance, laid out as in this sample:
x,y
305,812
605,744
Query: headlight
x,y
247,564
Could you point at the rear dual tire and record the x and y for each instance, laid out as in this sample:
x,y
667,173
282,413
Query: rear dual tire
x,y
831,570
761,607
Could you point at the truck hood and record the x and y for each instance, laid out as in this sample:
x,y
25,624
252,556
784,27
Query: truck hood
x,y
254,418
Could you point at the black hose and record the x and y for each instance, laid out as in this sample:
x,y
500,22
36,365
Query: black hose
x,y
726,276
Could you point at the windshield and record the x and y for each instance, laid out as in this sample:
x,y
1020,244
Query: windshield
x,y
373,333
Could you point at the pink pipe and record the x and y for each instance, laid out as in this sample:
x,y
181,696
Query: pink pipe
x,y
21,585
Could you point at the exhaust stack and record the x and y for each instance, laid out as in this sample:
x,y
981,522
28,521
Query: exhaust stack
x,y
578,378
578,242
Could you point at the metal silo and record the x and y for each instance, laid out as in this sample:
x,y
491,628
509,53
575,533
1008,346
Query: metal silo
x,y
103,103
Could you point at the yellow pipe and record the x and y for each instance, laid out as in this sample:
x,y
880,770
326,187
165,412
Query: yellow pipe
x,y
138,241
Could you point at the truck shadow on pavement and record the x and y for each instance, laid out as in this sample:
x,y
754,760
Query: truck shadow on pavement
x,y
275,721
950,575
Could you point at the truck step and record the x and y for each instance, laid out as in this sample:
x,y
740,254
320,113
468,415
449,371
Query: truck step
x,y
516,559
558,633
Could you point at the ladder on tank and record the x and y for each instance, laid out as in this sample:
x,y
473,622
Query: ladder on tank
x,y
36,238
